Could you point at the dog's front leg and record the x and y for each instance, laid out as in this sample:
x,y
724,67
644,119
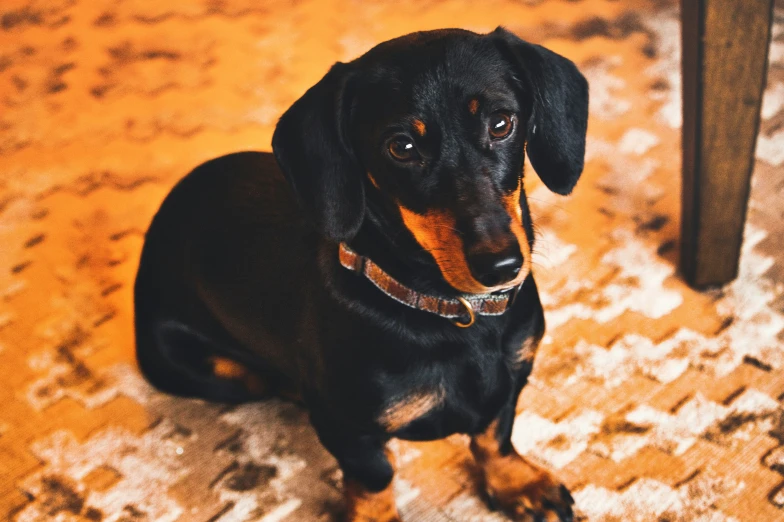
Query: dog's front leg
x,y
366,504
520,488
367,469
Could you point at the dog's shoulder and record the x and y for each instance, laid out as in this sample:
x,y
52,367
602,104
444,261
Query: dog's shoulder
x,y
243,184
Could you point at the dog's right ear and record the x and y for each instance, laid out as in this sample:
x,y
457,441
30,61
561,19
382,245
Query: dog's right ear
x,y
312,148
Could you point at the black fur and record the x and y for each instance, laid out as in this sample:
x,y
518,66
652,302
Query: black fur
x,y
557,127
311,146
241,259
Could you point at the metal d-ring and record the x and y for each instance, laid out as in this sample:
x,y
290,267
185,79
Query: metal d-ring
x,y
471,314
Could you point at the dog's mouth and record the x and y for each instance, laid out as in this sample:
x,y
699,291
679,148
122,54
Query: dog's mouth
x,y
436,232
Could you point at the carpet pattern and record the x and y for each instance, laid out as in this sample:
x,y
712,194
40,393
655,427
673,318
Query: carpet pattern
x,y
650,400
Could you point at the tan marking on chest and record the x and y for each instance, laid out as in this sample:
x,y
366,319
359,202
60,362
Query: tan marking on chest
x,y
403,412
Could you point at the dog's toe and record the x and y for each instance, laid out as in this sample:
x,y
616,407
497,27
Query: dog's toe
x,y
545,501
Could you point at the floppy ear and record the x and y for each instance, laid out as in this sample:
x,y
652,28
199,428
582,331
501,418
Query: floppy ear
x,y
559,117
311,146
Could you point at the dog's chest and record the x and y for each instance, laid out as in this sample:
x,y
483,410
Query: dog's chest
x,y
457,395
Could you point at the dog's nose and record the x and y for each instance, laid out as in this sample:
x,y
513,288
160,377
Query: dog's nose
x,y
492,269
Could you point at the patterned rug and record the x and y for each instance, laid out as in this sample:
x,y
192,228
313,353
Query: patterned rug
x,y
650,400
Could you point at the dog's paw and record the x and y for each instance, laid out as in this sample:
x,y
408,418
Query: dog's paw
x,y
366,506
528,493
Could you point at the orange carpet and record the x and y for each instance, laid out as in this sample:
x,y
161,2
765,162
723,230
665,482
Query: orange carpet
x,y
650,400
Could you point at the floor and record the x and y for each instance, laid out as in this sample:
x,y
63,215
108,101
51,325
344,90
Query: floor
x,y
650,400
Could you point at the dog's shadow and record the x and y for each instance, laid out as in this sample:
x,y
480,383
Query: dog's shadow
x,y
271,461
255,461
264,459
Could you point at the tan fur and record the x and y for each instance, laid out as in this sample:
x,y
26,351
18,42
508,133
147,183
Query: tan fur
x,y
227,369
410,408
232,370
527,350
473,106
372,179
419,127
518,486
515,211
436,232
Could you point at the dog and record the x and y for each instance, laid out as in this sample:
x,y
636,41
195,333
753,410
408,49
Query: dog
x,y
377,268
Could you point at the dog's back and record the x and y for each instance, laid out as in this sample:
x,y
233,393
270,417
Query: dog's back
x,y
206,242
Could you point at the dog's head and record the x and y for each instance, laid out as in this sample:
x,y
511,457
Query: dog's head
x,y
428,133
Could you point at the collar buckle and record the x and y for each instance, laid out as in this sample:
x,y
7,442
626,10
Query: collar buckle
x,y
471,314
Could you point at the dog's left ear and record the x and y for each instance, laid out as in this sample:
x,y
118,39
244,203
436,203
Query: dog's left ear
x,y
313,150
559,117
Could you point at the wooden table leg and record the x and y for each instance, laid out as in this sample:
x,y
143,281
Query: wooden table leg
x,y
725,59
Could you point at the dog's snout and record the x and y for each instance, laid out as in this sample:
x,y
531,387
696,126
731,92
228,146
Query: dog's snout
x,y
492,269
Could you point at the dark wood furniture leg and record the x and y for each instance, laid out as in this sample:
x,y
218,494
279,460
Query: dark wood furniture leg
x,y
725,60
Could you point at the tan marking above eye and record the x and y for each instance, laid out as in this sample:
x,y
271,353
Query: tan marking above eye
x,y
419,127
473,106
411,407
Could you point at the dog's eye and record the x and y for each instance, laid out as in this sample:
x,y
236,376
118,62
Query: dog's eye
x,y
500,125
402,148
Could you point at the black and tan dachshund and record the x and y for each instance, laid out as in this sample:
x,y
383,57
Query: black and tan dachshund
x,y
378,267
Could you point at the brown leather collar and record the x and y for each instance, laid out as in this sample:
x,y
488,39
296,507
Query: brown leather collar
x,y
455,309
